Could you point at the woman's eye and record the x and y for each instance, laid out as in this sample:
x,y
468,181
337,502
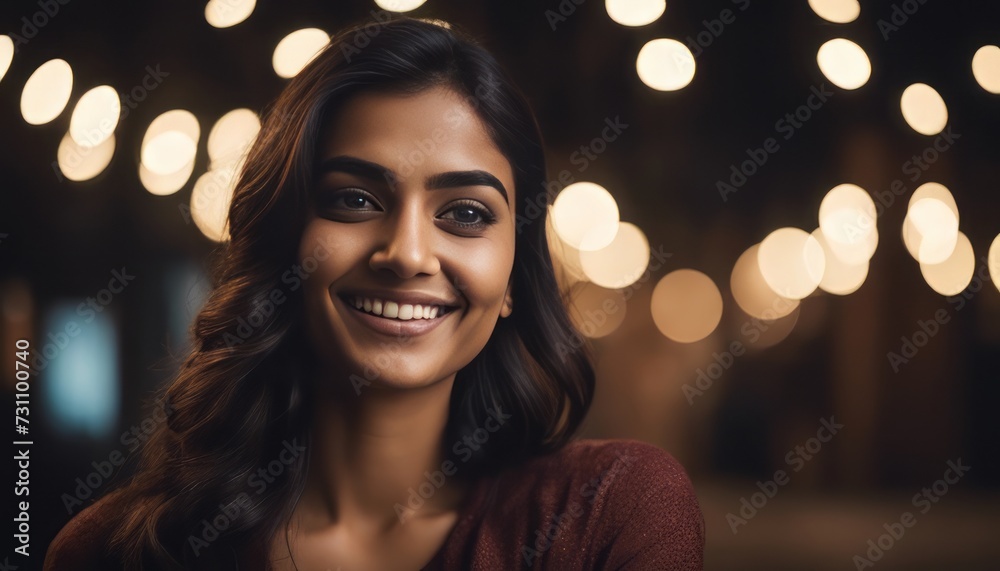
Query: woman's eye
x,y
348,200
355,202
469,216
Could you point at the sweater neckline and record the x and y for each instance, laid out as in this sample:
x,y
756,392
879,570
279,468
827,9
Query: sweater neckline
x,y
469,511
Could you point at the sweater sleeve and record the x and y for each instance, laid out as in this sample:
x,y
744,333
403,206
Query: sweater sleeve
x,y
658,522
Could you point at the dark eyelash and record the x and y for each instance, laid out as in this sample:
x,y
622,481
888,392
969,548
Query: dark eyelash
x,y
487,217
327,199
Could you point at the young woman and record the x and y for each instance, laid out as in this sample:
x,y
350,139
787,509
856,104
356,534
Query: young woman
x,y
384,376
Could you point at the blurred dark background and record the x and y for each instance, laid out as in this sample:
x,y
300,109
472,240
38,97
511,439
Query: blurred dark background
x,y
62,240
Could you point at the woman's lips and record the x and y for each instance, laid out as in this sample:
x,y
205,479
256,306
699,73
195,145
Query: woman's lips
x,y
393,326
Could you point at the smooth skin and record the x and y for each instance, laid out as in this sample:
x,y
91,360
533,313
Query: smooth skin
x,y
410,230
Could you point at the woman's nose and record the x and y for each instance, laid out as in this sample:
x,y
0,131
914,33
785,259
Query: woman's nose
x,y
407,246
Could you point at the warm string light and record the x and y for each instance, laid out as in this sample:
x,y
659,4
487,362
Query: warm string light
x,y
634,13
296,50
597,253
836,11
168,152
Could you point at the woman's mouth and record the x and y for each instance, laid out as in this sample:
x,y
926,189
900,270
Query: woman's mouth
x,y
395,318
389,309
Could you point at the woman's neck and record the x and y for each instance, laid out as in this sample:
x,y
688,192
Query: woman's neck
x,y
371,454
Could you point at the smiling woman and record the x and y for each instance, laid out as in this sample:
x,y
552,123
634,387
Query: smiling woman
x,y
413,403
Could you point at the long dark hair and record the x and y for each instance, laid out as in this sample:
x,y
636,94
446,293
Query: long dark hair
x,y
239,398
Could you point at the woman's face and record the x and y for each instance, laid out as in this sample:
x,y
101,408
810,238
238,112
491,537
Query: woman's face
x,y
412,217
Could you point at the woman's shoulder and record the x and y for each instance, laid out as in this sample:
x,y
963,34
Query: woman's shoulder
x,y
589,455
82,543
601,503
626,475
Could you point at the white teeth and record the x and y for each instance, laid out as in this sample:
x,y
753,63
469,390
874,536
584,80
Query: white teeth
x,y
391,309
405,312
394,310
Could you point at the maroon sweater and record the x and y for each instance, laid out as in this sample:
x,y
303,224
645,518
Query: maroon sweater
x,y
594,504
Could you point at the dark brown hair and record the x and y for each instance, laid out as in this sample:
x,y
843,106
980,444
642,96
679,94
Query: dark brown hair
x,y
238,400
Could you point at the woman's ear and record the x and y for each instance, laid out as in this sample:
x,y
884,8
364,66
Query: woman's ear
x,y
508,302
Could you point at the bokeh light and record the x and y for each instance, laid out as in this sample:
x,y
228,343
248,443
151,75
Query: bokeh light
x,y
585,216
839,277
847,218
168,152
985,68
923,109
95,116
596,311
934,190
565,258
210,199
665,64
993,261
836,11
399,5
792,262
79,163
768,333
297,49
930,231
635,12
622,262
47,92
6,54
163,185
844,63
170,143
752,293
231,136
686,306
226,13
954,274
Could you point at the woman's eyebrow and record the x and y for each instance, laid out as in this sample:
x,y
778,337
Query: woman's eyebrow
x,y
374,171
466,178
356,166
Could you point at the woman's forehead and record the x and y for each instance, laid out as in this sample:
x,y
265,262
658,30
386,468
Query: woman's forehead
x,y
431,131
